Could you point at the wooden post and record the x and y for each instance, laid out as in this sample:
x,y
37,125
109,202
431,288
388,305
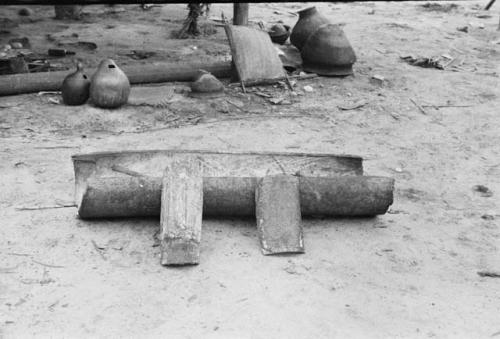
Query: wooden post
x,y
278,215
240,14
181,213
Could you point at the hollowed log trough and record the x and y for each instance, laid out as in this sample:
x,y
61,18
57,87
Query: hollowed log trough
x,y
129,184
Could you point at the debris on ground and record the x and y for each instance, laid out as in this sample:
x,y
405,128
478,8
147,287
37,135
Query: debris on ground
x,y
59,52
308,89
426,62
483,191
352,105
489,274
437,7
141,54
377,79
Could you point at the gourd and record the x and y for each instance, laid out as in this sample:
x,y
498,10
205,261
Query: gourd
x,y
109,87
75,87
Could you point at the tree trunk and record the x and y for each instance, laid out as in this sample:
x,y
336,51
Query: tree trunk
x,y
240,14
68,12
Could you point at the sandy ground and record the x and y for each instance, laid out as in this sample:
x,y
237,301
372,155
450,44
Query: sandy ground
x,y
411,273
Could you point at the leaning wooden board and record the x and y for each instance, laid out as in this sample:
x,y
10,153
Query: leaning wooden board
x,y
151,163
254,56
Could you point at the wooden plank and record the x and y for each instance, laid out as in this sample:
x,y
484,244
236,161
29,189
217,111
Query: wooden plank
x,y
130,196
279,221
181,213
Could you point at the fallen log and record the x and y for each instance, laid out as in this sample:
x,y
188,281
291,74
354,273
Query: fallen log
x,y
137,74
131,196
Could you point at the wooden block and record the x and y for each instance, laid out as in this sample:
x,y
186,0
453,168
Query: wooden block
x,y
278,215
181,213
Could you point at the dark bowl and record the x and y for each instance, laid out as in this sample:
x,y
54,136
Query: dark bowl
x,y
280,38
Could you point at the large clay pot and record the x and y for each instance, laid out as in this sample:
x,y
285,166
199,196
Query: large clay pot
x,y
109,87
309,21
328,52
75,87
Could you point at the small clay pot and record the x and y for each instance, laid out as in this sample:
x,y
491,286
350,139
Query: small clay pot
x,y
309,21
279,33
75,87
328,52
206,85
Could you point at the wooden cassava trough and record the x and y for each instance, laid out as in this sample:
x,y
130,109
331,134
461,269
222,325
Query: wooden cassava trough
x,y
124,184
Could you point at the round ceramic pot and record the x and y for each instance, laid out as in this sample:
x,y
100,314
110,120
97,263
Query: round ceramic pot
x,y
328,52
75,87
279,33
309,21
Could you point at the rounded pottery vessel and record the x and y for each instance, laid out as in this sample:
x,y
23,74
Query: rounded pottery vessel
x,y
206,85
76,87
328,52
279,33
309,21
109,87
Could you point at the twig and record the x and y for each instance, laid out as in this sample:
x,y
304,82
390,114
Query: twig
x,y
232,103
121,169
355,105
288,82
55,147
260,82
8,269
488,6
225,141
46,265
489,274
420,108
443,106
280,165
35,208
20,254
10,106
270,116
98,249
